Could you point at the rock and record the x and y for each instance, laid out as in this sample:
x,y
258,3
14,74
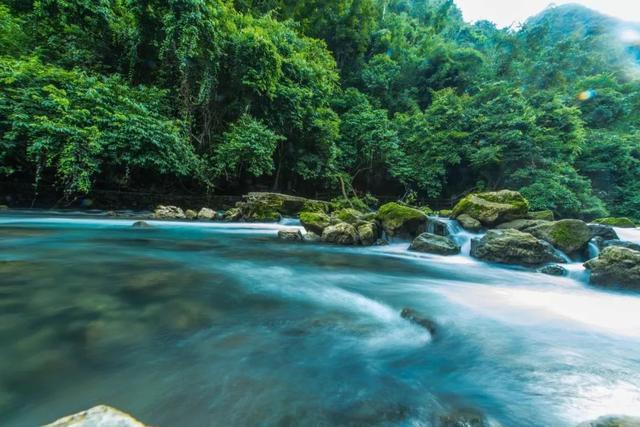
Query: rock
x,y
168,212
402,221
4,207
316,206
414,317
554,270
434,244
141,224
341,234
367,233
98,416
615,266
381,242
612,421
621,244
348,215
445,212
207,214
315,221
521,224
615,222
569,235
493,208
468,223
463,417
310,236
605,231
437,226
271,207
232,215
541,215
513,247
290,235
190,214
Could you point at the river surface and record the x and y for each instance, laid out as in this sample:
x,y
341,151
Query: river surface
x,y
193,324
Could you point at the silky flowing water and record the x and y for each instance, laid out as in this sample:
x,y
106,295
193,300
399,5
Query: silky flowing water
x,y
193,324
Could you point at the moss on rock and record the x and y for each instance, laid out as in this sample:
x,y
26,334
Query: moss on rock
x,y
315,222
568,235
400,220
616,222
348,215
493,208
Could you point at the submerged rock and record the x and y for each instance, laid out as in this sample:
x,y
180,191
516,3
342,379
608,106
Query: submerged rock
x,y
513,247
569,235
434,244
290,235
207,214
615,266
98,416
168,212
141,224
493,208
315,222
367,233
402,221
616,222
554,270
612,421
468,223
341,234
414,317
606,232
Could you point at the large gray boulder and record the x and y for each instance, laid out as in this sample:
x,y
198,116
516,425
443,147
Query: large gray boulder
x,y
315,222
612,421
513,247
98,416
168,212
493,208
468,223
434,244
605,231
437,226
340,234
569,235
615,266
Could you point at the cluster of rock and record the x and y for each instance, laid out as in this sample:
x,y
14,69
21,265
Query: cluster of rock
x,y
174,212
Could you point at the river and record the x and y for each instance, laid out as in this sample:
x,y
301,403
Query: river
x,y
199,324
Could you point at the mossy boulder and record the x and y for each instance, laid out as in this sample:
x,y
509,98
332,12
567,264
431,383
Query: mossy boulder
x,y
232,215
168,212
542,215
368,233
316,206
445,212
340,234
401,221
616,222
569,235
349,215
270,207
521,224
315,222
493,208
190,214
434,244
513,247
207,214
615,266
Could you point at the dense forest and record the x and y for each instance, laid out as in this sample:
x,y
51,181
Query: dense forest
x,y
395,97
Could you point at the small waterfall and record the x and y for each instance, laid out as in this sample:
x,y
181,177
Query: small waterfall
x,y
461,236
593,250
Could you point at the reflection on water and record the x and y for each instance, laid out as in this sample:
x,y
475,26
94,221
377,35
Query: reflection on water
x,y
211,324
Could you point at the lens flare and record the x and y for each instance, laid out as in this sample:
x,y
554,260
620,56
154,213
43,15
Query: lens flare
x,y
586,95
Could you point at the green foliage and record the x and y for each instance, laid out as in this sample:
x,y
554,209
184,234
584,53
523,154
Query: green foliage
x,y
248,144
77,127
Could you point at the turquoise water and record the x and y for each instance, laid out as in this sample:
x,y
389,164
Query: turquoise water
x,y
218,324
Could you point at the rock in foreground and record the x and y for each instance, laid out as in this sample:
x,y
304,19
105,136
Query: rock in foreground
x,y
493,208
434,244
98,416
616,266
612,421
513,247
290,235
